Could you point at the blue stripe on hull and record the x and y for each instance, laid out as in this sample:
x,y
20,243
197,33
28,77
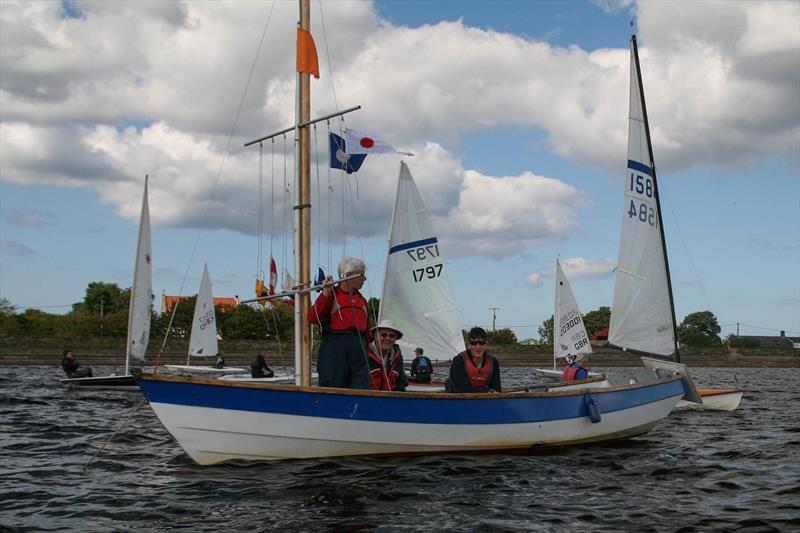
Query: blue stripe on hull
x,y
403,409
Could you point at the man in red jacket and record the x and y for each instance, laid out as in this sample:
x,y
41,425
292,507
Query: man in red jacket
x,y
341,314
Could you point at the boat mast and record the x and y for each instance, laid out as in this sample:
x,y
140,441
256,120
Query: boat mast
x,y
677,356
302,209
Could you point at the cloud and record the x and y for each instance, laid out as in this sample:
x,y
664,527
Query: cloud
x,y
17,249
31,218
575,268
74,82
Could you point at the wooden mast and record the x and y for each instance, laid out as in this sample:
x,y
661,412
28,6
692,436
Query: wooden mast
x,y
302,208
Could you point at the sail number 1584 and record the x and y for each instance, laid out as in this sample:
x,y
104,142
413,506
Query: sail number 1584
x,y
640,210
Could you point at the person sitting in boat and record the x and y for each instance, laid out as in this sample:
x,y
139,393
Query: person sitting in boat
x,y
578,369
385,359
220,361
474,370
259,368
73,368
421,367
341,314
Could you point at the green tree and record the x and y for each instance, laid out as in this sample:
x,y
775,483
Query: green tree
x,y
374,308
504,336
103,297
546,331
6,307
597,320
699,329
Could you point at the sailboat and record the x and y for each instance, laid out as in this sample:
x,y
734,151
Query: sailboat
x,y
416,294
139,312
203,339
215,421
643,310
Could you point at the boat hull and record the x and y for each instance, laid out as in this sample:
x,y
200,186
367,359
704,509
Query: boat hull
x,y
123,382
713,400
215,422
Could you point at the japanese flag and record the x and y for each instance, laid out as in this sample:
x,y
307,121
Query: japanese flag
x,y
359,142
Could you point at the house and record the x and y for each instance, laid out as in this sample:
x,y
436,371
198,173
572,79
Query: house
x,y
601,335
764,341
168,302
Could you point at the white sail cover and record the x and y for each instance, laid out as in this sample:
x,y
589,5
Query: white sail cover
x,y
139,310
416,294
569,331
641,315
203,342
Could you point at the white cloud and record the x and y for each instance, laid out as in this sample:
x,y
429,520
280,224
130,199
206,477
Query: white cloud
x,y
17,249
575,268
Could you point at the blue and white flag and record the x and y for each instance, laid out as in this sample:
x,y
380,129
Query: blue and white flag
x,y
341,159
320,277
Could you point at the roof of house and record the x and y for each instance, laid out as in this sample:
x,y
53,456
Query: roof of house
x,y
767,341
168,302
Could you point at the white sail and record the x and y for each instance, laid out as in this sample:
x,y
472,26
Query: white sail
x,y
641,315
139,311
569,332
203,342
416,294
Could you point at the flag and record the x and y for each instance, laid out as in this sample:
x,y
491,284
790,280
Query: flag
x,y
273,276
288,283
358,142
341,159
320,276
307,61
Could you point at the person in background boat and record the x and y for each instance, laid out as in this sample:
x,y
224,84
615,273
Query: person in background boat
x,y
579,369
341,314
220,361
73,368
474,370
385,359
421,367
259,368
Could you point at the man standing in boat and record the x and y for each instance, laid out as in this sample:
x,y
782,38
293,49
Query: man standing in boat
x,y
385,359
474,370
579,369
341,314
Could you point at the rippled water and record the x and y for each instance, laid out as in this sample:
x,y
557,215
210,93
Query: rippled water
x,y
697,471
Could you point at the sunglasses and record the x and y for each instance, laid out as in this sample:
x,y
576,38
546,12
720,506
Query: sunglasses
x,y
388,335
478,343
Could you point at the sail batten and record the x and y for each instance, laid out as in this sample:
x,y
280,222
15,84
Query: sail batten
x,y
416,293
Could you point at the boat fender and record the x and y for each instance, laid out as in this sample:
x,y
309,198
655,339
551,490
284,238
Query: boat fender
x,y
594,411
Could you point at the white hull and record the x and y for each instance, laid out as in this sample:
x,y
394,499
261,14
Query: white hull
x,y
727,401
113,382
198,369
277,378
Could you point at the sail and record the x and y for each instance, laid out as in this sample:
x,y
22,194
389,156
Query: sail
x,y
641,314
416,294
569,332
203,342
139,311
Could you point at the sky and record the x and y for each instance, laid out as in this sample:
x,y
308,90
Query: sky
x,y
516,113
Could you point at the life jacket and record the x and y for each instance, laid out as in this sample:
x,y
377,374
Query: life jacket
x,y
380,377
348,313
571,371
479,376
423,365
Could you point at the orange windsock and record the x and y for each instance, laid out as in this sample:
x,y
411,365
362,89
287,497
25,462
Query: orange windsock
x,y
307,61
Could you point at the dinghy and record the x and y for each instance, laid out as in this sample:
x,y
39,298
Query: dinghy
x,y
215,421
139,312
643,310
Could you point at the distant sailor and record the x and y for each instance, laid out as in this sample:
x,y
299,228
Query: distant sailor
x,y
385,359
73,368
259,368
341,314
421,367
220,361
578,369
474,370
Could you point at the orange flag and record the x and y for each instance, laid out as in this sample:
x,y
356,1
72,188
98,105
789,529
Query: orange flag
x,y
307,61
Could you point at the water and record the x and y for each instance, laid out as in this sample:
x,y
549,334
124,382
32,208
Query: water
x,y
697,471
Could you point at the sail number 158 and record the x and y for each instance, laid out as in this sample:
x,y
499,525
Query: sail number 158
x,y
640,210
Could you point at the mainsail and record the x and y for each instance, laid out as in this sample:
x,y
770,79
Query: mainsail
x,y
642,315
203,342
139,310
569,332
416,294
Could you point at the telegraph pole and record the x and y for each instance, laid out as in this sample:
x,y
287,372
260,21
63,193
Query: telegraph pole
x,y
494,317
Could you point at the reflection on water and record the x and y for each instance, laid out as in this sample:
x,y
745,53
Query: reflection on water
x,y
697,471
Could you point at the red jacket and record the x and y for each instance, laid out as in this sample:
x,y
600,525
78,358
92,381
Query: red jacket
x,y
479,377
383,377
571,372
340,312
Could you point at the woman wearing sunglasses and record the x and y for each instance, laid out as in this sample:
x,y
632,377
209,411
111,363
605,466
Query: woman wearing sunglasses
x,y
385,359
474,370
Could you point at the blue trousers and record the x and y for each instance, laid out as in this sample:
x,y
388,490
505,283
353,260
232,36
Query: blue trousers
x,y
342,361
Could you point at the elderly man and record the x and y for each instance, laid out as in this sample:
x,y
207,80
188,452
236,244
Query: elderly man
x,y
579,369
385,359
341,314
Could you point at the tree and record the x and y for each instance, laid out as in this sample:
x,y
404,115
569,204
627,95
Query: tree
x,y
502,336
105,298
6,307
597,320
699,329
546,331
374,308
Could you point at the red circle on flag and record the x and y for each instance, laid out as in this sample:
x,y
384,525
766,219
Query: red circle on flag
x,y
366,142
